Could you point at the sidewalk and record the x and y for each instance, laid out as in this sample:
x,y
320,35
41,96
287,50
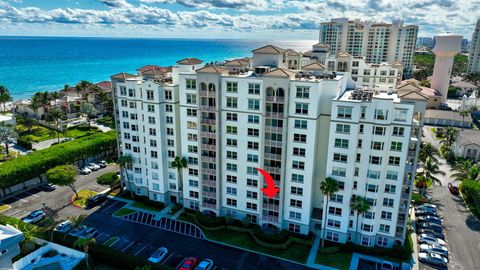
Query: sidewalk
x,y
158,215
313,254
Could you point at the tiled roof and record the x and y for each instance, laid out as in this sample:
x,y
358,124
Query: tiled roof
x,y
281,73
237,63
343,54
463,84
123,76
105,85
321,45
314,66
447,115
469,136
211,69
149,67
189,61
413,95
269,49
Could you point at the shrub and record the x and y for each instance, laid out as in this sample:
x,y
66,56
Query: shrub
x,y
24,143
209,221
274,238
175,208
110,179
471,193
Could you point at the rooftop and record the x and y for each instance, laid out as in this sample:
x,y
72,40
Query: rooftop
x,y
269,49
447,115
190,61
469,136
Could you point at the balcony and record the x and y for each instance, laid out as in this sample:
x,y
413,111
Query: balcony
x,y
273,143
268,206
207,108
209,171
209,205
272,169
208,146
274,114
208,121
275,99
412,153
209,194
273,129
270,219
207,134
208,159
205,93
273,156
209,183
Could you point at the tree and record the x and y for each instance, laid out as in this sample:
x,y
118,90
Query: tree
x,y
28,123
451,135
421,181
464,113
360,205
4,97
180,163
84,244
77,220
327,187
56,115
6,134
63,175
466,170
82,87
428,150
430,169
27,244
109,179
123,162
89,110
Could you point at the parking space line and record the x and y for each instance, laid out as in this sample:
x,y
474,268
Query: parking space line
x,y
125,248
169,256
32,194
20,199
110,206
140,250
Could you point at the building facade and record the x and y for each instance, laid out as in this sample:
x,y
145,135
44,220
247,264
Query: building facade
x,y
377,42
227,120
474,55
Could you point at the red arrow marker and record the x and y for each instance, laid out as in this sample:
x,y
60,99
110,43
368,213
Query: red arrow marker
x,y
271,190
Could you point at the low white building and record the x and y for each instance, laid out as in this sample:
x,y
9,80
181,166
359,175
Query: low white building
x,y
9,245
50,256
468,144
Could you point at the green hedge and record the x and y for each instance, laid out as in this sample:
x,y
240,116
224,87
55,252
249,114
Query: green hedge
x,y
471,193
209,221
175,208
39,162
24,143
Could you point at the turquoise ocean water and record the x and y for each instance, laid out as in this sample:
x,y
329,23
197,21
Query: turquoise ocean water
x,y
32,64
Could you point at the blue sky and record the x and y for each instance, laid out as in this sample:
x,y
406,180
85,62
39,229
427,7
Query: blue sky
x,y
253,19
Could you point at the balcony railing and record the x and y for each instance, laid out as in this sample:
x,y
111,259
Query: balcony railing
x,y
272,169
207,108
275,99
273,129
274,114
209,205
269,206
273,156
273,143
209,194
207,121
208,159
209,183
204,93
270,219
209,171
208,146
206,134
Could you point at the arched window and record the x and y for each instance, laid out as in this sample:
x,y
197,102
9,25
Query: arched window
x,y
280,92
270,92
211,87
331,66
203,86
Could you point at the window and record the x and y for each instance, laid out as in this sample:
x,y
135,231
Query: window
x,y
295,215
252,158
384,228
232,117
363,112
381,114
168,107
299,138
124,103
342,128
231,179
301,108
131,92
390,188
331,236
392,175
367,227
395,161
151,120
303,92
231,155
398,131
231,167
251,206
231,130
191,125
150,108
231,202
191,112
123,91
191,99
253,119
154,165
156,186
150,95
382,241
386,215
231,102
336,198
396,146
252,182
153,143
253,132
296,191
252,145
231,191
401,115
360,129
232,87
387,202
378,130
373,174
341,143
254,104
132,105
295,228
365,241
192,137
192,149
252,194
375,160
299,151
339,157
168,95
252,170
191,84
154,154
344,112
254,88
302,124
359,143
299,165
333,223
334,211
193,183
152,131
337,171
356,171
369,215
376,145
231,142
371,188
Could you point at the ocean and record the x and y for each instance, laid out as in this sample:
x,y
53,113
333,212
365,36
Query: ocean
x,y
33,64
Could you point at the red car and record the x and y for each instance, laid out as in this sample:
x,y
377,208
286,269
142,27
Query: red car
x,y
188,263
453,189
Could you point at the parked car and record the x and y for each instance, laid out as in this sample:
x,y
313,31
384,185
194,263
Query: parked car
x,y
102,163
427,206
205,265
432,219
426,239
64,227
85,170
453,189
77,230
95,200
387,266
431,233
34,216
92,166
47,187
434,249
419,213
188,263
432,258
89,232
158,255
428,225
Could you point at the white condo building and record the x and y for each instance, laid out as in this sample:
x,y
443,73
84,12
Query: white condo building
x,y
272,111
377,42
474,55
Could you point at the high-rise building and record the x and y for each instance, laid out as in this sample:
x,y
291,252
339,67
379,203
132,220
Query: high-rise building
x,y
377,42
425,42
272,111
474,55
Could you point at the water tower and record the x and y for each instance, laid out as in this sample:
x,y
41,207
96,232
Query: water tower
x,y
446,47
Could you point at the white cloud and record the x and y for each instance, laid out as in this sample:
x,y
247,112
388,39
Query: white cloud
x,y
226,4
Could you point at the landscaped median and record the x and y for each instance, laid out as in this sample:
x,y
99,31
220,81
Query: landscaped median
x,y
83,196
123,212
249,236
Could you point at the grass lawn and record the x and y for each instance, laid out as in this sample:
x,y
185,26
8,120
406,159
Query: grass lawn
x,y
295,252
83,196
111,241
340,260
123,211
41,133
147,206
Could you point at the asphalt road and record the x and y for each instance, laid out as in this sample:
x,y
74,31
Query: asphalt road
x,y
148,239
58,201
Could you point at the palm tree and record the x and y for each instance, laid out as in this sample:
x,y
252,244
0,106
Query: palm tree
x,y
29,232
85,243
123,162
451,135
428,150
54,96
82,87
35,103
6,134
360,205
77,220
56,114
180,163
4,97
464,113
465,169
327,187
422,181
430,168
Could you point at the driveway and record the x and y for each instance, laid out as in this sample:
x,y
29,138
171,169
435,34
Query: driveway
x,y
58,200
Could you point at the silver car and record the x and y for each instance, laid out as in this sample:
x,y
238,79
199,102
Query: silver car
x,y
426,239
158,255
432,258
439,249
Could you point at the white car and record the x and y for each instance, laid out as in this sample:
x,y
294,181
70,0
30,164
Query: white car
x,y
205,265
158,255
102,163
85,170
426,239
434,249
34,217
64,227
92,166
432,258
